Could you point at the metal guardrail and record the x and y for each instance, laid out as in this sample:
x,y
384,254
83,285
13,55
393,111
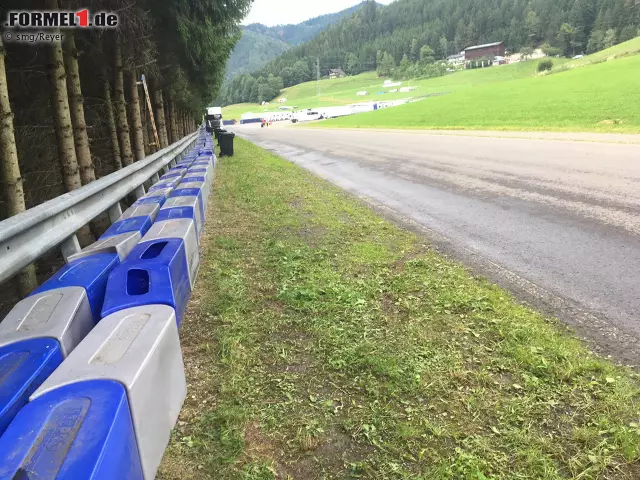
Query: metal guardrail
x,y
29,235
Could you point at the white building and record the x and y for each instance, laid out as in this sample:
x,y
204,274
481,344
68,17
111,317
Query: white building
x,y
458,59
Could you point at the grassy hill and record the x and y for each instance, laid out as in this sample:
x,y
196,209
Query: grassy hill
x,y
596,93
342,91
598,97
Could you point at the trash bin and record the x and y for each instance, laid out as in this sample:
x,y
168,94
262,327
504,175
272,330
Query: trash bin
x,y
217,132
226,143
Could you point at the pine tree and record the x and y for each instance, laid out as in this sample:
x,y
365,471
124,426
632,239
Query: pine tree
x,y
10,177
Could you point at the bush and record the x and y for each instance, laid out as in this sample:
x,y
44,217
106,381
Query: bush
x,y
545,66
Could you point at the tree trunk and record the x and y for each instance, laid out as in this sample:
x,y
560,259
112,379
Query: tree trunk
x,y
111,121
136,120
62,118
173,121
121,107
167,121
62,123
10,177
76,104
161,125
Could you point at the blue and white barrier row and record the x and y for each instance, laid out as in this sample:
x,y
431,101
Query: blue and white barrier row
x,y
91,373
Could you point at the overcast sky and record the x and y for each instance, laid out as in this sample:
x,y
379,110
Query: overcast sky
x,y
282,12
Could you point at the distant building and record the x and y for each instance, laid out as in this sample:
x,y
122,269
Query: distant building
x,y
282,100
336,73
489,50
457,59
363,93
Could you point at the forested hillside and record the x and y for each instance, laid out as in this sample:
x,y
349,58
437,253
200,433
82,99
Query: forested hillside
x,y
414,32
260,44
253,51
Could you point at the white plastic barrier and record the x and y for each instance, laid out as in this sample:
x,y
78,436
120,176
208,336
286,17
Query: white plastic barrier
x,y
184,229
196,185
63,314
140,349
148,210
182,207
121,244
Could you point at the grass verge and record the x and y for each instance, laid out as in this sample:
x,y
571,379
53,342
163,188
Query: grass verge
x,y
325,342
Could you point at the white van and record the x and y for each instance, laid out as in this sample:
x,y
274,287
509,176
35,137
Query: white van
x,y
306,116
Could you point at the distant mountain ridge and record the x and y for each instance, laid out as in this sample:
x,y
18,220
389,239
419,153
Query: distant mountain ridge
x,y
295,34
261,44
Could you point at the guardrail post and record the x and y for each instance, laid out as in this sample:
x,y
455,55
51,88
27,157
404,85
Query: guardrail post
x,y
139,192
155,178
172,163
115,212
70,246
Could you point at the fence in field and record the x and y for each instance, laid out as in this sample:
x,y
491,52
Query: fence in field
x,y
91,372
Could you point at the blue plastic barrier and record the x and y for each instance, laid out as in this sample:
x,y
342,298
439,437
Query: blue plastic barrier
x,y
24,366
160,199
157,196
195,177
183,207
156,273
166,183
192,192
90,273
174,174
134,224
81,431
140,349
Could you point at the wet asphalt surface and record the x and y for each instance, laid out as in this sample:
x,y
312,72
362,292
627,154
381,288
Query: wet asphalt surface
x,y
556,221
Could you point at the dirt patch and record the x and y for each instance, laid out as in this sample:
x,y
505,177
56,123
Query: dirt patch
x,y
257,445
328,456
398,265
